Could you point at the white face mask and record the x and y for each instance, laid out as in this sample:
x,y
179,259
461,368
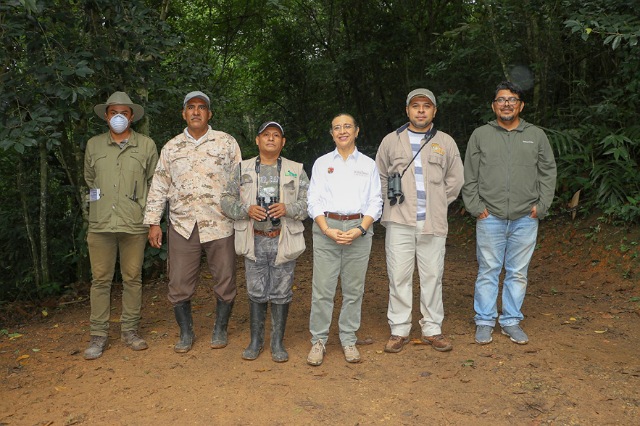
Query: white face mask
x,y
118,123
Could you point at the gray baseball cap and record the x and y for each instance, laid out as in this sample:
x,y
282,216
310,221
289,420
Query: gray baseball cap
x,y
196,94
421,92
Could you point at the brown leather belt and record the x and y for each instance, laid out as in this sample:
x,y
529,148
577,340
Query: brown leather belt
x,y
270,234
338,216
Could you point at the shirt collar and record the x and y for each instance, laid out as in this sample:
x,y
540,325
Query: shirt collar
x,y
192,139
354,154
130,141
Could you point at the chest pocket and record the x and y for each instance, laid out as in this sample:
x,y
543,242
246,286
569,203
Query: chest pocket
x,y
435,168
134,162
289,188
98,162
247,191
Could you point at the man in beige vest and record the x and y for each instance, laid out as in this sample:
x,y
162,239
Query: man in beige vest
x,y
267,198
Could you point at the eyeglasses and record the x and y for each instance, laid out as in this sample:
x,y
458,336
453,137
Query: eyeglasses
x,y
346,127
501,101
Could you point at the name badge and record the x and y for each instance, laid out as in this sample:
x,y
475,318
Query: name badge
x,y
94,194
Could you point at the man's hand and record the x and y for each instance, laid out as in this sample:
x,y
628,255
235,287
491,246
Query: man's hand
x,y
483,215
257,213
534,212
155,236
277,210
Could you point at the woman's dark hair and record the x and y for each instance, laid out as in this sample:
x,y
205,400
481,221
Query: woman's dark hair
x,y
355,123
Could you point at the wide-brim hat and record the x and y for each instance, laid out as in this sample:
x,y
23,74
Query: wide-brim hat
x,y
119,98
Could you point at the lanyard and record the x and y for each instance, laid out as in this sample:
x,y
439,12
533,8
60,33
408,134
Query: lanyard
x,y
279,167
430,134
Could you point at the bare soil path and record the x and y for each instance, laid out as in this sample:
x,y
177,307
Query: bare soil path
x,y
582,366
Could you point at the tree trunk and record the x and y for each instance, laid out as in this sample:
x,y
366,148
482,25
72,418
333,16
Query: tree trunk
x,y
28,225
164,10
44,193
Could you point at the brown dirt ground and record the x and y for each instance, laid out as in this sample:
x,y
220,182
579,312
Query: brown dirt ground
x,y
582,366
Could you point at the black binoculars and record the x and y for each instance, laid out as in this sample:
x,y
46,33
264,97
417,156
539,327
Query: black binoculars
x,y
394,189
262,202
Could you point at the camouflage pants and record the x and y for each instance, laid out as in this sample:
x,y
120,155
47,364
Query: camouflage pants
x,y
267,282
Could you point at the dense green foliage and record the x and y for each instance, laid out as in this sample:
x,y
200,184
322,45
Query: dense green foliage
x,y
299,62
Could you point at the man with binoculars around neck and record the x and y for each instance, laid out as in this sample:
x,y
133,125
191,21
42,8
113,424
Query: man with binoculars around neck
x,y
267,198
421,173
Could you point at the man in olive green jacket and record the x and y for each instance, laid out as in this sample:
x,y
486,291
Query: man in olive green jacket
x,y
118,168
510,179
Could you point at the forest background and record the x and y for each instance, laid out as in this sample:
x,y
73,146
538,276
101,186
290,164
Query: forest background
x,y
299,62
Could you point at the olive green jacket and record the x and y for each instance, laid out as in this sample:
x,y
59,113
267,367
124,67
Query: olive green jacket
x,y
509,172
123,177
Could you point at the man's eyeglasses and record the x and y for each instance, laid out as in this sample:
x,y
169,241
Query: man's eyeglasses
x,y
346,127
501,101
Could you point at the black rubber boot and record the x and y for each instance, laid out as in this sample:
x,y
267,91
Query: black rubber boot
x,y
279,314
257,315
182,311
219,336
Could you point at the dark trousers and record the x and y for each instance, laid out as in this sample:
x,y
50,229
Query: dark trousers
x,y
184,266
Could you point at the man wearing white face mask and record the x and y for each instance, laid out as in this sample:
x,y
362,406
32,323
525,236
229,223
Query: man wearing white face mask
x,y
118,169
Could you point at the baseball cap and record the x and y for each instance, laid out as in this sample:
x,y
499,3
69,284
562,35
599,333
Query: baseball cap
x,y
421,92
196,94
266,124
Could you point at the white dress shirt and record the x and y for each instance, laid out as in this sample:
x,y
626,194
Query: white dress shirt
x,y
345,186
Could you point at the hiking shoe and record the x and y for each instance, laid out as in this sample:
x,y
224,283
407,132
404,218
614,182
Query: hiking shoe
x,y
351,354
439,342
97,345
483,334
516,334
132,340
316,354
395,344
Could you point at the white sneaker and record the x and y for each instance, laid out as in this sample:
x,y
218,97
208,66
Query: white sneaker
x,y
351,353
316,354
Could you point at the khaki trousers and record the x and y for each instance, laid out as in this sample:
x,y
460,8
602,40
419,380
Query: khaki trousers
x,y
103,251
330,262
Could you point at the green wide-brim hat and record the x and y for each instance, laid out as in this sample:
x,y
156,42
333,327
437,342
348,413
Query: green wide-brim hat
x,y
119,98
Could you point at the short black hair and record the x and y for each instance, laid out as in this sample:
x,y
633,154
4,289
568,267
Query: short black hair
x,y
355,122
510,86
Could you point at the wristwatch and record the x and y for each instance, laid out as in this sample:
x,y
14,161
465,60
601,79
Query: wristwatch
x,y
364,231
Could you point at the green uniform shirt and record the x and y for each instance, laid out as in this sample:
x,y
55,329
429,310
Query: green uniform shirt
x,y
119,181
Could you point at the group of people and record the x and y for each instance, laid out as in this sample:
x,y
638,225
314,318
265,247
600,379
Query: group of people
x,y
223,205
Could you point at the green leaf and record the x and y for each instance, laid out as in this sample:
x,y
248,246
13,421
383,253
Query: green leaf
x,y
616,42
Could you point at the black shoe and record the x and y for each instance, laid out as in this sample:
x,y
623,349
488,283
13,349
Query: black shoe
x,y
279,314
185,321
257,315
219,336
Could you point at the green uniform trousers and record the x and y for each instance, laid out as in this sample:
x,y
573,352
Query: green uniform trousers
x,y
103,250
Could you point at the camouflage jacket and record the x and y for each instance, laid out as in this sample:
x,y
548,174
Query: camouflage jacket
x,y
191,176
